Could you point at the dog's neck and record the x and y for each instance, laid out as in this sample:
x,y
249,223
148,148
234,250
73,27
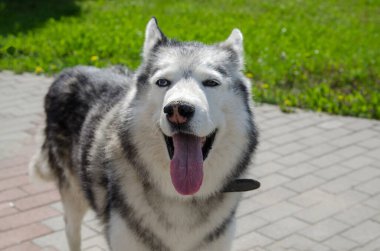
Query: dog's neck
x,y
241,185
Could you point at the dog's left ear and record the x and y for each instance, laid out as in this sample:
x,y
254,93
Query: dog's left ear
x,y
153,36
235,43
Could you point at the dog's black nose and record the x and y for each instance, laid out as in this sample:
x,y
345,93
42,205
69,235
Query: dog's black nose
x,y
179,112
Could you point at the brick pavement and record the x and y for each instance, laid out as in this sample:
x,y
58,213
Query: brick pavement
x,y
320,178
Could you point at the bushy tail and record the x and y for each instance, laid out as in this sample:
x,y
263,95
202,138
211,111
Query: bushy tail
x,y
39,169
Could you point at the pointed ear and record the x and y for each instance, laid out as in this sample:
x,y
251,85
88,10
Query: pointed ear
x,y
235,43
153,35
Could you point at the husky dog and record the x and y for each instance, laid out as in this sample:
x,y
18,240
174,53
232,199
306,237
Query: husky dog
x,y
152,151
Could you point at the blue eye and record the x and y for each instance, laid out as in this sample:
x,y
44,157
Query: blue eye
x,y
163,82
210,83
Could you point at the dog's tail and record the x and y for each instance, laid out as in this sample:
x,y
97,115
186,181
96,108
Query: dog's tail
x,y
39,168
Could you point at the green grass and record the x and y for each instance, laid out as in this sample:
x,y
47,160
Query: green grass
x,y
320,55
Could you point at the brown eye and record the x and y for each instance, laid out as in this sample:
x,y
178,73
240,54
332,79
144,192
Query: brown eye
x,y
210,83
163,82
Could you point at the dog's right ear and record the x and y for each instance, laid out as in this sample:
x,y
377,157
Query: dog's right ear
x,y
153,35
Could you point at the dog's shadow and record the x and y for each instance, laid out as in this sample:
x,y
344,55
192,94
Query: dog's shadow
x,y
24,15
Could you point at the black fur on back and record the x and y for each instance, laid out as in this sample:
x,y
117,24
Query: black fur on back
x,y
67,103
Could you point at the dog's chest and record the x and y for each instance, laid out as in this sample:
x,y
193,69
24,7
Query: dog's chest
x,y
172,224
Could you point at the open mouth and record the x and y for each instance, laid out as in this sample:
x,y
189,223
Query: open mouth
x,y
207,143
187,153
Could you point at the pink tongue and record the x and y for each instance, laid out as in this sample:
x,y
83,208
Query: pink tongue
x,y
186,167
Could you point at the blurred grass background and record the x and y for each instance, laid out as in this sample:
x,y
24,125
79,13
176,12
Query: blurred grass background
x,y
320,55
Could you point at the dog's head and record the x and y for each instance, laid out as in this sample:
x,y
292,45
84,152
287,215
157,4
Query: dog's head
x,y
195,104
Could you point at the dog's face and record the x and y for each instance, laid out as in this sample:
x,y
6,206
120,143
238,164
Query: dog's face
x,y
196,97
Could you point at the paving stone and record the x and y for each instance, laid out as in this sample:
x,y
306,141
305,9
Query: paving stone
x,y
282,228
375,153
278,211
57,206
371,143
339,243
26,246
359,124
352,179
319,149
351,197
283,139
265,145
350,151
324,230
376,218
371,246
94,249
55,223
304,183
331,124
97,241
11,195
248,223
308,132
7,208
247,241
304,123
38,188
12,171
311,197
266,169
298,170
371,187
313,140
265,157
297,242
89,216
326,160
335,133
364,232
14,161
355,215
14,182
331,206
95,225
37,200
16,236
273,196
26,217
277,131
332,172
248,206
272,180
58,239
374,202
320,211
289,148
293,159
353,138
376,127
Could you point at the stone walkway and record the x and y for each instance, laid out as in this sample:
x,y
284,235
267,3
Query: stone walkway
x,y
320,178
